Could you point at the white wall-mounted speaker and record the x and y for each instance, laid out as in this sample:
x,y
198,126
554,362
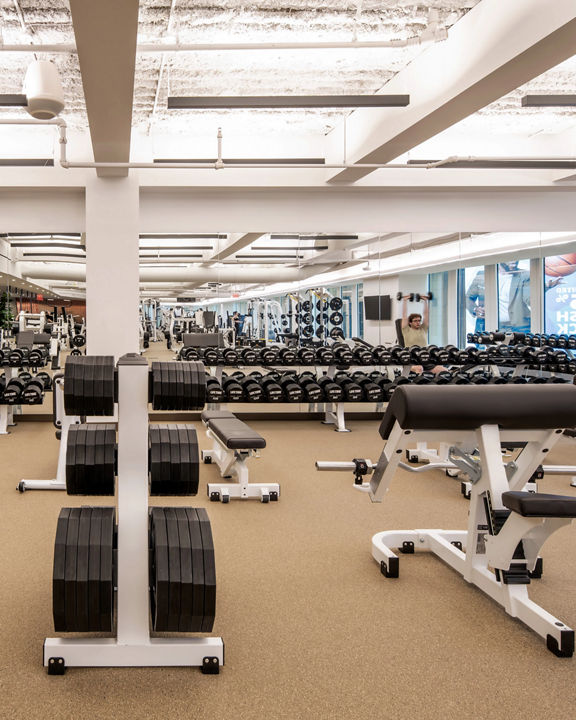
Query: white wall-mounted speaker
x,y
43,90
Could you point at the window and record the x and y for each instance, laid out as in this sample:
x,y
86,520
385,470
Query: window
x,y
438,324
560,294
471,302
514,295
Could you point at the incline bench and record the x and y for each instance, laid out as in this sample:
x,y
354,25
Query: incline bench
x,y
234,443
507,526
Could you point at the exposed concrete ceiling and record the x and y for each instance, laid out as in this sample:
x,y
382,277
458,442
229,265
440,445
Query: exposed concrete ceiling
x,y
496,121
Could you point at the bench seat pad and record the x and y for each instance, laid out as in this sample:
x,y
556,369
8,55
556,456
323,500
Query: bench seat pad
x,y
540,504
208,415
467,407
236,435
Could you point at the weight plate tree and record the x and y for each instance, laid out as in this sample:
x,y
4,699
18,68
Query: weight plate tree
x,y
182,570
84,570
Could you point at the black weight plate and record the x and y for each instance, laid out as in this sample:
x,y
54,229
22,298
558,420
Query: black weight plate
x,y
165,456
108,395
110,453
209,571
336,318
186,468
176,469
336,332
307,331
156,385
307,319
194,460
186,588
107,571
59,572
82,624
191,392
70,569
197,570
180,385
79,384
92,480
201,387
174,569
306,306
336,303
154,467
94,569
320,331
161,575
174,389
82,488
97,401
70,403
71,483
88,371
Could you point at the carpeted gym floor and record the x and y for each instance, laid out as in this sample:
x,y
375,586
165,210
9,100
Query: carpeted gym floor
x,y
311,627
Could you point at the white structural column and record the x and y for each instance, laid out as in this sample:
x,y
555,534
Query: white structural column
x,y
112,281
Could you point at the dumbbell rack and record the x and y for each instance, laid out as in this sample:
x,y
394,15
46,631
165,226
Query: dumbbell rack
x,y
7,411
133,646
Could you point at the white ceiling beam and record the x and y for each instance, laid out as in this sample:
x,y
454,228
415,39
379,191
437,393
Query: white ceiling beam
x,y
106,41
493,49
234,243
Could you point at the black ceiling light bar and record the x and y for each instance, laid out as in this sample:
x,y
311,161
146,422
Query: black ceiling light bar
x,y
247,161
26,162
549,101
257,248
13,101
183,236
275,236
286,102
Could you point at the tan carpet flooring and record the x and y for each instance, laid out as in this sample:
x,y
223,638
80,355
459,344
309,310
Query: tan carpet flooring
x,y
311,627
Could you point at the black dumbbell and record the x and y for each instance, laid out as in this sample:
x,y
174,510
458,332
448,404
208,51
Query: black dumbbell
x,y
229,356
477,355
13,391
400,355
189,353
390,388
269,355
253,391
214,391
324,356
272,389
401,296
460,379
333,392
16,357
232,389
442,378
36,357
457,356
306,356
352,390
423,296
362,355
33,392
419,355
210,356
248,356
424,378
292,390
480,378
438,355
342,354
372,391
287,356
312,391
25,376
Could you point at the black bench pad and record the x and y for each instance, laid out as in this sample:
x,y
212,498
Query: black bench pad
x,y
540,504
467,407
232,432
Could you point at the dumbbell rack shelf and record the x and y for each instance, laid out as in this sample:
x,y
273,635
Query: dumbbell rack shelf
x,y
133,646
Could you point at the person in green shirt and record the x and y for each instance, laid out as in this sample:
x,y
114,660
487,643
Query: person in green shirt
x,y
415,332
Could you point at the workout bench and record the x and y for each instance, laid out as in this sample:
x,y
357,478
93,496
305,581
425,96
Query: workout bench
x,y
234,444
507,526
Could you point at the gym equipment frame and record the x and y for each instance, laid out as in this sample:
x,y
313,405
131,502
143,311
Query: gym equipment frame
x,y
133,646
506,528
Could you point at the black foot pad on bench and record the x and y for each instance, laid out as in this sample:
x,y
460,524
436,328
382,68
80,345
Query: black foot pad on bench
x,y
540,504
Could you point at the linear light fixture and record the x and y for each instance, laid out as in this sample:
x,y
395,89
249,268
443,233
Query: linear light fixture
x,y
13,101
275,236
286,101
549,101
26,162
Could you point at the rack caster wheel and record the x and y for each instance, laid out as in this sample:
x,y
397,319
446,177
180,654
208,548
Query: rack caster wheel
x,y
225,499
56,666
207,460
265,498
452,473
273,496
214,497
210,666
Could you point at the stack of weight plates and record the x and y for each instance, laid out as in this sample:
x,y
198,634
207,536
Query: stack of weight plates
x,y
178,386
89,385
83,576
91,459
173,460
182,570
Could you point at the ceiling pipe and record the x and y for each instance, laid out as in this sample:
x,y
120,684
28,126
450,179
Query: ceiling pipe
x,y
437,35
234,274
